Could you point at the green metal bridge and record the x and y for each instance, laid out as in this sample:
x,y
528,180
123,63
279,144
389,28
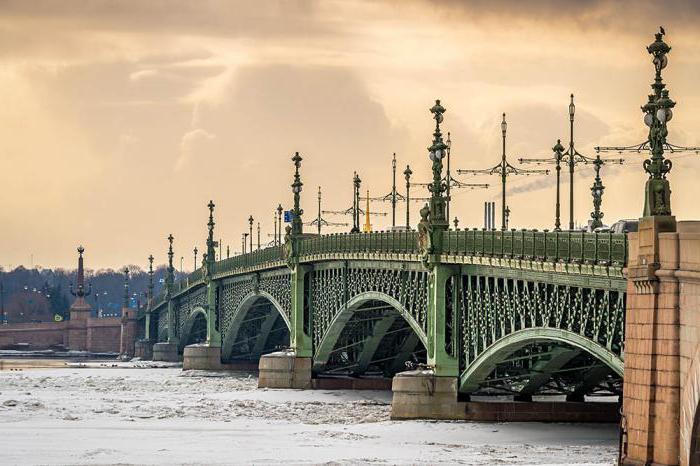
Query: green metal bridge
x,y
508,312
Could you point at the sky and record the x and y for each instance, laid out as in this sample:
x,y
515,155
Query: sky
x,y
120,120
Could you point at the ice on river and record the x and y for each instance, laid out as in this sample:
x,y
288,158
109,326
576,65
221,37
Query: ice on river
x,y
164,416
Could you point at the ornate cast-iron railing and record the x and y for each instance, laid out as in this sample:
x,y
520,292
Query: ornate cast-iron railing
x,y
548,246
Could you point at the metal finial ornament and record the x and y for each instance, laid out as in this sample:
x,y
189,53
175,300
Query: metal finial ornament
x,y
297,185
436,152
456,223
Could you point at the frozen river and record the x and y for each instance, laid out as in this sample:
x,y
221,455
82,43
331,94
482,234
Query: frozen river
x,y
166,417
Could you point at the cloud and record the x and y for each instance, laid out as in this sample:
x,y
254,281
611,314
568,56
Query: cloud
x,y
192,144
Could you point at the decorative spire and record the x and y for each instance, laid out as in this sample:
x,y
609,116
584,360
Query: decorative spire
x,y
126,287
80,291
297,225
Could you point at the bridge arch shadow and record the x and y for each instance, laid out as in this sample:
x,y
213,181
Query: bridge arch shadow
x,y
259,326
374,335
195,329
543,361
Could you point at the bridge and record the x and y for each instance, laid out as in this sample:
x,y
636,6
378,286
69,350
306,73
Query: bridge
x,y
457,315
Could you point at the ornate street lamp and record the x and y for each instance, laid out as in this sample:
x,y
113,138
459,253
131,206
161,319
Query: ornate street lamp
x,y
170,277
279,223
150,279
195,250
597,192
407,174
258,235
657,113
436,152
250,231
503,169
297,224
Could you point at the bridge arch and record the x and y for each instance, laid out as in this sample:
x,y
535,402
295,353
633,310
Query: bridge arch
x,y
195,328
388,321
258,322
487,361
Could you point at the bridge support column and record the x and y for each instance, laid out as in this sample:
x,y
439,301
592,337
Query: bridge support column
x,y
167,351
206,356
651,404
432,394
143,349
292,369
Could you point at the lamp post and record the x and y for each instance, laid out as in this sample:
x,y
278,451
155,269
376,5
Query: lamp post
x,y
407,175
503,169
356,182
297,185
258,235
250,231
597,192
436,152
279,223
170,277
150,278
657,113
195,257
318,217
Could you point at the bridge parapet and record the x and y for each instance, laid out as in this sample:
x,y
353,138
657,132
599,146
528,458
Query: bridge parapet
x,y
551,246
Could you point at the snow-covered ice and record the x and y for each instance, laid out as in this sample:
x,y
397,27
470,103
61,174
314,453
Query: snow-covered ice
x,y
131,415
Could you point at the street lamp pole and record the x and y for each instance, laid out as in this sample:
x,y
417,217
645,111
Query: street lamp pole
x,y
503,169
436,152
597,192
407,175
250,231
356,182
318,218
258,235
195,257
393,191
297,185
279,223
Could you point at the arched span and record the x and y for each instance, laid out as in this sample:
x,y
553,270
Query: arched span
x,y
486,362
338,323
189,326
239,317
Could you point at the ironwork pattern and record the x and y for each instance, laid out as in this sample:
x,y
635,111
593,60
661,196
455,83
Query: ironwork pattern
x,y
494,307
231,297
162,327
279,287
333,288
188,303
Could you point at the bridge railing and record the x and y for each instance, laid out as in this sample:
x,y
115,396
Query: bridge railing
x,y
553,246
251,259
390,242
